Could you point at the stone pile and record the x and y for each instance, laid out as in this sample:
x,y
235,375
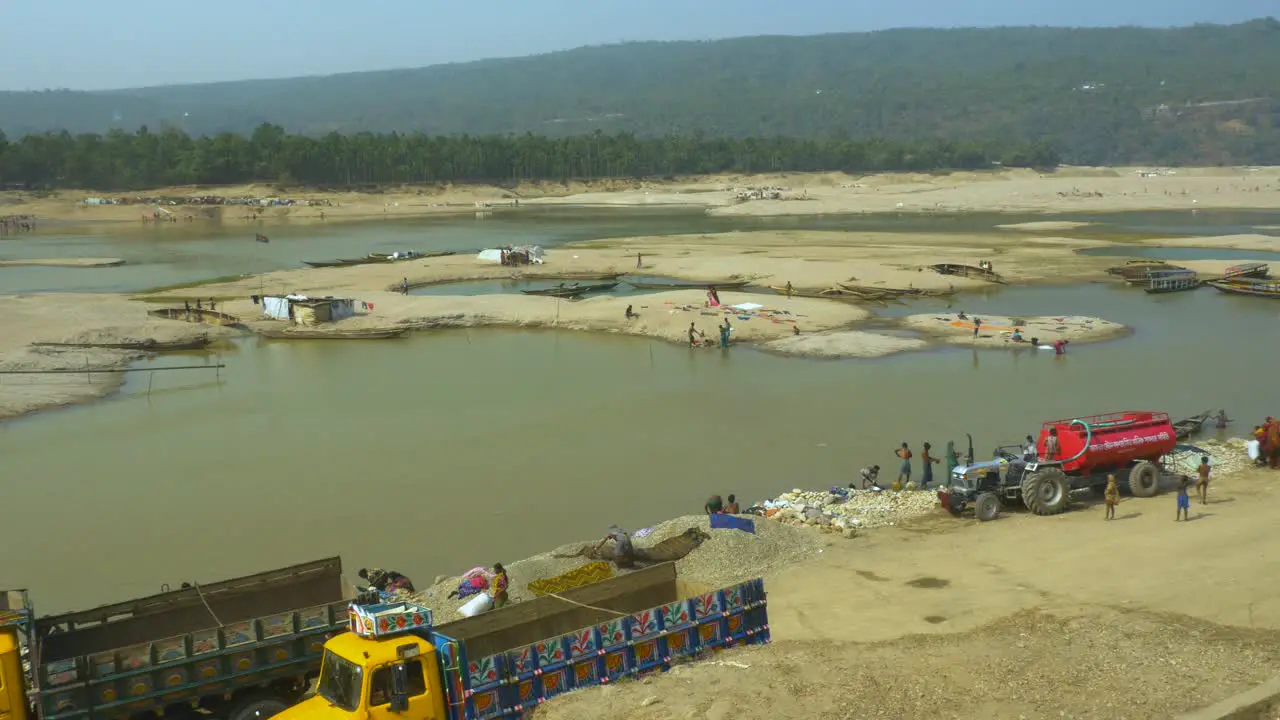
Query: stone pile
x,y
832,512
1226,457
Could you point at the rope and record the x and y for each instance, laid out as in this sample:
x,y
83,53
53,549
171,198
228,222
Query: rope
x,y
589,607
196,585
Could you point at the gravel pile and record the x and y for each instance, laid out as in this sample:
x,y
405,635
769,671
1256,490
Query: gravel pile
x,y
847,511
1226,457
730,556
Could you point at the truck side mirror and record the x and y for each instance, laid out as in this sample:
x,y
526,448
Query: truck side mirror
x,y
399,689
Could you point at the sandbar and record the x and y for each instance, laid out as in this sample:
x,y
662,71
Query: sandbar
x,y
844,344
1067,189
1265,243
64,262
75,318
996,331
1045,226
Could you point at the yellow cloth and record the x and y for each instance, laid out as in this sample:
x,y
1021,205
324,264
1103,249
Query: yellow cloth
x,y
585,575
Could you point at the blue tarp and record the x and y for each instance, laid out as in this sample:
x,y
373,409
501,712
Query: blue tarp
x,y
730,522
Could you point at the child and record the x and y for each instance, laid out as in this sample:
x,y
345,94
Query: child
x,y
1202,486
1184,499
1112,497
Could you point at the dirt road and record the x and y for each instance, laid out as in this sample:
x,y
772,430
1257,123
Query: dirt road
x,y
1025,617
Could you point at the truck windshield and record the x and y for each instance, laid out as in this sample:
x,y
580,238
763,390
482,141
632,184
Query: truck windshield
x,y
340,681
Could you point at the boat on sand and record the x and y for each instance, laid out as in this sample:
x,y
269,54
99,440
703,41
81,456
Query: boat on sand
x,y
728,285
359,334
1251,288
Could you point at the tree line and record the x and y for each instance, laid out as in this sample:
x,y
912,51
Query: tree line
x,y
130,161
1205,94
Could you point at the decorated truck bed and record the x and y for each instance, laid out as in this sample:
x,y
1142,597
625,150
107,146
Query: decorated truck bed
x,y
507,682
506,662
242,647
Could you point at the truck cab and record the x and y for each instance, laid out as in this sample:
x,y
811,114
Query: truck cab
x,y
388,678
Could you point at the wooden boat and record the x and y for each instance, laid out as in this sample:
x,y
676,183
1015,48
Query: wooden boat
x,y
1254,270
834,293
325,263
1187,427
412,255
369,334
147,345
196,315
1140,269
731,285
894,292
566,291
1161,274
560,292
966,271
1173,283
1252,288
570,276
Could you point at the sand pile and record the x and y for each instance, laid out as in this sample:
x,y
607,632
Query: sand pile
x,y
846,514
730,556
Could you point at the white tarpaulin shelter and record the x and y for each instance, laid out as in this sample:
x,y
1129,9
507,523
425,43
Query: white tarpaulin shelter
x,y
494,255
278,307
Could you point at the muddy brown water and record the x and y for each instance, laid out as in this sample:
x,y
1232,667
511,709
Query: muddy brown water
x,y
452,449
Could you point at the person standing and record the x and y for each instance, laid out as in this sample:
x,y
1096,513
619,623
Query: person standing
x,y
499,585
953,460
693,336
1202,485
904,470
1051,446
977,327
1029,451
1184,499
789,289
1112,497
928,461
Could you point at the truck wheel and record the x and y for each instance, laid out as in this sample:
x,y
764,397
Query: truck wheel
x,y
1046,491
1144,479
256,706
986,507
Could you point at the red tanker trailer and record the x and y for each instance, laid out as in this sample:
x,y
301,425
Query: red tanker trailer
x,y
1127,444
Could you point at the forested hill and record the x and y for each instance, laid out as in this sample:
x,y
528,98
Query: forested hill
x,y
1202,94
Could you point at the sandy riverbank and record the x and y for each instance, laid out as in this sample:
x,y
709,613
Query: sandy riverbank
x,y
64,262
810,260
73,318
997,331
1069,189
1117,637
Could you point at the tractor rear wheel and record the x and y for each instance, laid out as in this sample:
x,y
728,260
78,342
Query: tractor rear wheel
x,y
1144,479
1046,491
986,507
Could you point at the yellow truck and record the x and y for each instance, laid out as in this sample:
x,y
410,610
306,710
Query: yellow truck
x,y
240,649
395,664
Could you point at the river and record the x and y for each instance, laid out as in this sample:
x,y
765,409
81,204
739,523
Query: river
x,y
453,449
185,253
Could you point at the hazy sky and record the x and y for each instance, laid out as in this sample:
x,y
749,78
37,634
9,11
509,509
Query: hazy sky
x,y
86,44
